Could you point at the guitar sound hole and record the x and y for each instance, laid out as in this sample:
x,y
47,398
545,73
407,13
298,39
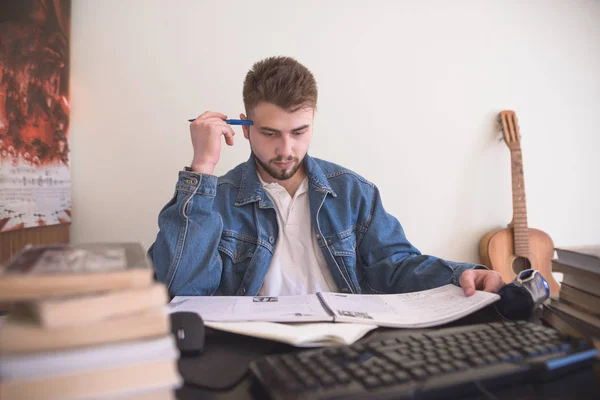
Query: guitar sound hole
x,y
521,264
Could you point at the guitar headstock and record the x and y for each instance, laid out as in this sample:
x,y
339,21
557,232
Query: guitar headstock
x,y
510,129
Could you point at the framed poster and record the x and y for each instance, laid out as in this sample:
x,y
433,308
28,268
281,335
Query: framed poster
x,y
35,179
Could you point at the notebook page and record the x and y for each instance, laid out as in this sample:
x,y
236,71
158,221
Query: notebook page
x,y
299,334
258,308
408,310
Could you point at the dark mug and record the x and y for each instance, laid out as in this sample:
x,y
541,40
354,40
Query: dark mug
x,y
523,295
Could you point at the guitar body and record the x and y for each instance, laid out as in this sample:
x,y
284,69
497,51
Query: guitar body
x,y
497,252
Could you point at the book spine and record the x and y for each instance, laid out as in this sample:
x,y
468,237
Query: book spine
x,y
325,305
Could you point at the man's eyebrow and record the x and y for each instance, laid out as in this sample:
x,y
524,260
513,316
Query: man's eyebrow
x,y
300,128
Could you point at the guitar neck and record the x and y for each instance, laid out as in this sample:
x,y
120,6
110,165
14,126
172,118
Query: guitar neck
x,y
521,233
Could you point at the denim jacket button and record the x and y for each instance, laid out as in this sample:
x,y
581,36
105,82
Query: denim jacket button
x,y
242,291
271,239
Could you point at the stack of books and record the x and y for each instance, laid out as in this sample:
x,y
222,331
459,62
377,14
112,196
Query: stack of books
x,y
85,322
576,310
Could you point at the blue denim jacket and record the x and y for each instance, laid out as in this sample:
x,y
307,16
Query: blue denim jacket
x,y
217,235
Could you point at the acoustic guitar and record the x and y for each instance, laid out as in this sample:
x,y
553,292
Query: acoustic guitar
x,y
517,247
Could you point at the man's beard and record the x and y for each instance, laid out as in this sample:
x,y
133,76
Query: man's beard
x,y
280,175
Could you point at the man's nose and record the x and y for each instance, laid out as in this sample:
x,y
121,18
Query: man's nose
x,y
285,146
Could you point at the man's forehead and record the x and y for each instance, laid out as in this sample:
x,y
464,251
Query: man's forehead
x,y
270,114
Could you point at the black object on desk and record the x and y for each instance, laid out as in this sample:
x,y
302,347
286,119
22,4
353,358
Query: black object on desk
x,y
425,364
220,364
188,329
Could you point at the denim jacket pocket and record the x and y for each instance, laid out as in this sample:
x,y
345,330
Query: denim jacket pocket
x,y
344,251
345,247
236,252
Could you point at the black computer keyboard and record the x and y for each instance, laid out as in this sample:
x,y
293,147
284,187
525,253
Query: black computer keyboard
x,y
442,363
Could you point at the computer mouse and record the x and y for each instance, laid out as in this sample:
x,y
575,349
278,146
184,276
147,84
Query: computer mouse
x,y
189,332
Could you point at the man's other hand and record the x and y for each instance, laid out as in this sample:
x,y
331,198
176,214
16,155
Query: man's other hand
x,y
480,279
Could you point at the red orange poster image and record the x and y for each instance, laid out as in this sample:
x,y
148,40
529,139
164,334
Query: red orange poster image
x,y
35,178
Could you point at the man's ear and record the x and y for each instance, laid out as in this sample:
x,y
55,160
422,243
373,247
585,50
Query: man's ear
x,y
245,129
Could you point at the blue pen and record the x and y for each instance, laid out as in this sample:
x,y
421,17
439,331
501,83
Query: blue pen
x,y
245,122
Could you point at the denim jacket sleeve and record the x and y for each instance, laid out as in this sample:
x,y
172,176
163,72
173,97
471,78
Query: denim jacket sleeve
x,y
185,253
393,265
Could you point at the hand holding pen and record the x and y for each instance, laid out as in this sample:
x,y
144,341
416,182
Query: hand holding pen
x,y
206,131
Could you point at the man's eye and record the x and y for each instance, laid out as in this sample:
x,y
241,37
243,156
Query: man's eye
x,y
269,134
299,133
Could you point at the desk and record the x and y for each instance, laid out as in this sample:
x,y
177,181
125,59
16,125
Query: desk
x,y
570,386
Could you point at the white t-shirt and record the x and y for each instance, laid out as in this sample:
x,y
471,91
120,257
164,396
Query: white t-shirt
x,y
298,266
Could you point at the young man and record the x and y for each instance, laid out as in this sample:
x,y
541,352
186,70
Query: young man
x,y
284,223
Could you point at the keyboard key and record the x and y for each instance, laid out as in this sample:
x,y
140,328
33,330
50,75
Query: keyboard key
x,y
360,347
490,359
353,366
429,354
401,376
388,367
342,377
414,364
433,370
292,385
447,367
397,358
531,352
371,382
376,370
327,380
310,383
552,348
418,373
363,357
515,355
478,361
374,345
387,379
471,354
460,365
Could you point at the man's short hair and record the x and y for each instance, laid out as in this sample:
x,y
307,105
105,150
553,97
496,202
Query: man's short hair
x,y
282,81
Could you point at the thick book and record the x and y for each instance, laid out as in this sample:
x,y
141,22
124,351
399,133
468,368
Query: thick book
x,y
562,323
586,257
21,336
62,270
22,372
580,299
407,310
34,366
154,394
55,312
579,278
587,325
107,383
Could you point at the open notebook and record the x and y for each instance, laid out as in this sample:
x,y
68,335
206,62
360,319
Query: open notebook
x,y
407,310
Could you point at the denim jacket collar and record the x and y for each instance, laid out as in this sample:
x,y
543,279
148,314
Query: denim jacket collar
x,y
251,189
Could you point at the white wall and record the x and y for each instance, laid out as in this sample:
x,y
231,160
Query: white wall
x,y
409,91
